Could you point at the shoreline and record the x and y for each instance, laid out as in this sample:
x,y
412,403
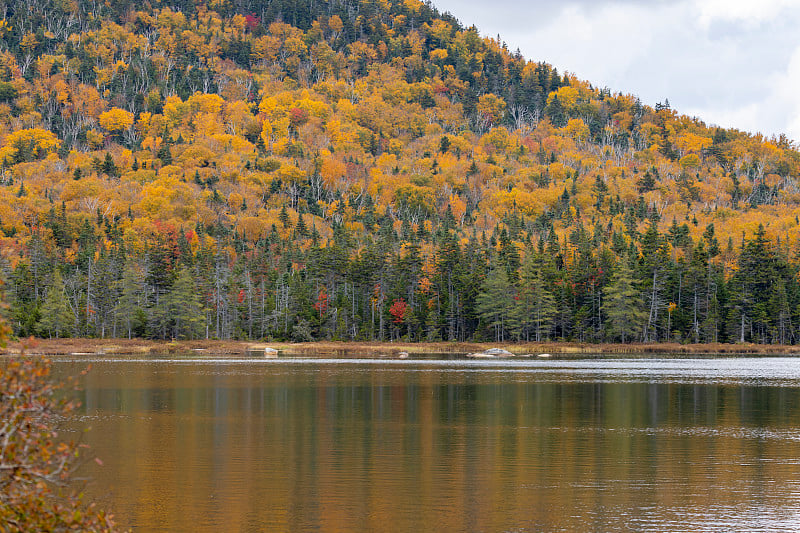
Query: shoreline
x,y
143,347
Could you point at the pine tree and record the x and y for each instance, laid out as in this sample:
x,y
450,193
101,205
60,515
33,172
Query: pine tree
x,y
301,228
128,309
496,303
57,318
752,286
655,258
536,306
104,275
623,305
555,111
284,217
109,167
184,307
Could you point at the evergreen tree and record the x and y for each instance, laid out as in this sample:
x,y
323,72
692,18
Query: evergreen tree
x,y
755,282
184,307
496,303
653,265
536,305
284,217
555,111
56,316
623,305
129,312
301,228
105,297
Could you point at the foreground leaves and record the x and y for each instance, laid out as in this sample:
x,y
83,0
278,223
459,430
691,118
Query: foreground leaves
x,y
35,464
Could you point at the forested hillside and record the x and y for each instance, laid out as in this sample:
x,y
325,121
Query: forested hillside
x,y
339,169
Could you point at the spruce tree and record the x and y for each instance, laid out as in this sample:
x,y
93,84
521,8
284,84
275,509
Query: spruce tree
x,y
756,280
284,217
496,303
301,229
128,310
56,316
184,307
623,305
536,306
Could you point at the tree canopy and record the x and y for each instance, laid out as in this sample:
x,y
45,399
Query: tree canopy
x,y
377,152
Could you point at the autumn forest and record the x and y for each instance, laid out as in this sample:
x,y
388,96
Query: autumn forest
x,y
367,170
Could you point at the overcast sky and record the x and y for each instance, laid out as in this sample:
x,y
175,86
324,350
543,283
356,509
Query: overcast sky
x,y
735,63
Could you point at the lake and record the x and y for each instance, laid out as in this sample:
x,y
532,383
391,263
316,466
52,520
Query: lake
x,y
454,445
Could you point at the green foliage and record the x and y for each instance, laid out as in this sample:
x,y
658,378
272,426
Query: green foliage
x,y
496,303
183,307
56,317
8,92
536,307
623,305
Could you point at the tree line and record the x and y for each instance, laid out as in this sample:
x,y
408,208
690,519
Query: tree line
x,y
408,283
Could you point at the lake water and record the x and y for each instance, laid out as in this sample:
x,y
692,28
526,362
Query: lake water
x,y
458,445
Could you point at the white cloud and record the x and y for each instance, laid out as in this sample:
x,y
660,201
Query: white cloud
x,y
786,102
747,11
600,44
775,111
735,63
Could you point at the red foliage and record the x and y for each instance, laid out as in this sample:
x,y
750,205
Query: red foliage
x,y
322,302
399,310
252,21
298,116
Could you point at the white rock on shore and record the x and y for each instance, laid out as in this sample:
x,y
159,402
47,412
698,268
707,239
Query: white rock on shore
x,y
491,353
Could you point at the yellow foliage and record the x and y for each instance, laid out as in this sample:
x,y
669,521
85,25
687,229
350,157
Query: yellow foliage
x,y
413,5
28,143
458,207
205,103
576,129
207,124
268,105
176,110
498,138
254,227
116,120
95,139
558,172
75,190
568,96
139,176
690,161
688,142
152,143
28,41
440,54
491,107
235,201
332,171
290,174
335,24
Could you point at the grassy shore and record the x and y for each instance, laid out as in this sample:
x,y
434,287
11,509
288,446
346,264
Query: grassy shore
x,y
372,349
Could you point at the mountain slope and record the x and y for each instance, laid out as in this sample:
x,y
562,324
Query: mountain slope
x,y
367,170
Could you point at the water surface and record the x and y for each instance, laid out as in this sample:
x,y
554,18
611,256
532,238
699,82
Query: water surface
x,y
459,445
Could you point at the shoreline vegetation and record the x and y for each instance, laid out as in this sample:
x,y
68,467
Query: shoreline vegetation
x,y
144,347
